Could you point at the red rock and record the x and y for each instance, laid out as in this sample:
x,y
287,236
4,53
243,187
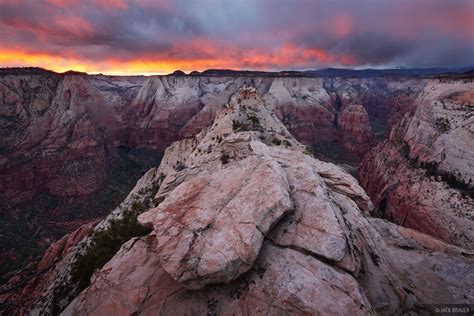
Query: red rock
x,y
324,257
355,130
395,172
22,291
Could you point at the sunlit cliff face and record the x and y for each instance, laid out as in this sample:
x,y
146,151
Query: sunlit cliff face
x,y
145,36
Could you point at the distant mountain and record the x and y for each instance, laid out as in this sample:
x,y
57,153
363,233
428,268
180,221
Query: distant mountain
x,y
366,73
337,72
325,73
25,71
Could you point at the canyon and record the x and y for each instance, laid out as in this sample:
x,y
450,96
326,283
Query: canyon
x,y
422,175
309,223
74,144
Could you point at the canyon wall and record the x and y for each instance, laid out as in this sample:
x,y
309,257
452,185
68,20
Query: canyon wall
x,y
59,132
62,135
301,243
422,176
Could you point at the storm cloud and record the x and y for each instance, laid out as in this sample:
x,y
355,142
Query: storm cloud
x,y
147,36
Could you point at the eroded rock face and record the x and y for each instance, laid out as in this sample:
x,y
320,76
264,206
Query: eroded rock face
x,y
278,285
318,223
55,127
20,293
56,142
442,129
211,228
355,129
315,251
62,134
419,178
49,286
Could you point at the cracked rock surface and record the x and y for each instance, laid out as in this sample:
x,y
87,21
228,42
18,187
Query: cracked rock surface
x,y
249,223
211,228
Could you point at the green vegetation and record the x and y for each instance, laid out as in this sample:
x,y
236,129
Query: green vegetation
x,y
255,121
379,128
405,151
251,124
335,153
287,143
430,167
276,141
443,124
224,158
26,229
180,166
309,151
236,125
106,243
431,170
330,151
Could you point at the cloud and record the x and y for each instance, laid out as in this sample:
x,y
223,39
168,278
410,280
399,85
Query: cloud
x,y
158,36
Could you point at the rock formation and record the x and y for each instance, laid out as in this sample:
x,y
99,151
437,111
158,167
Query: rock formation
x,y
421,177
62,133
243,218
247,222
57,126
356,133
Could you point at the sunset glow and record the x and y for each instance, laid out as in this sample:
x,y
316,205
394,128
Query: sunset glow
x,y
148,37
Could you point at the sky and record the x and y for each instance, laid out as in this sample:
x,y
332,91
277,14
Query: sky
x,y
160,36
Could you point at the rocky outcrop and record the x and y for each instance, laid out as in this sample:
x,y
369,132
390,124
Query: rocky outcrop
x,y
194,225
440,134
282,281
59,131
355,130
295,242
55,140
63,134
51,285
420,177
21,291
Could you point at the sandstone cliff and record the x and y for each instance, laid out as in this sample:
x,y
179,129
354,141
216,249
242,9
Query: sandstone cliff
x,y
422,176
245,221
62,135
55,127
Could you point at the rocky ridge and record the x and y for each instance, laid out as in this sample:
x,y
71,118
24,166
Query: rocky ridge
x,y
225,240
63,134
415,167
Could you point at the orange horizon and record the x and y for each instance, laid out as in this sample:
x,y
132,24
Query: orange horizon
x,y
288,56
124,37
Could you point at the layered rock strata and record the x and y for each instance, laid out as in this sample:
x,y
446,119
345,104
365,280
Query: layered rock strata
x,y
422,176
297,241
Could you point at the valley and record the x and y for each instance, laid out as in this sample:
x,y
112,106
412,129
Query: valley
x,y
74,145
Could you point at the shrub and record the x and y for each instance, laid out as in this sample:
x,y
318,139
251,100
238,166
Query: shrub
x,y
224,158
236,125
309,151
106,243
276,141
430,168
405,150
180,166
255,120
442,124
